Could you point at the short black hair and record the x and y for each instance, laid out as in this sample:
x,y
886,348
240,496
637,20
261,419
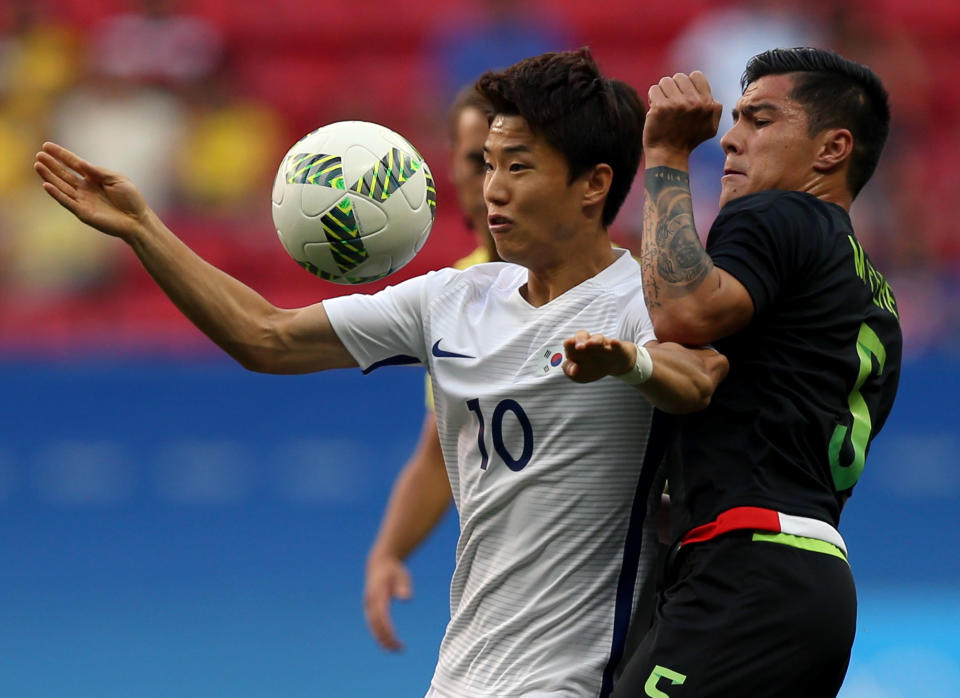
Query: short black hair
x,y
590,119
836,93
466,98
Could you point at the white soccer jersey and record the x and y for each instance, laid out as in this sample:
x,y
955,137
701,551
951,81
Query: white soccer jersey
x,y
546,473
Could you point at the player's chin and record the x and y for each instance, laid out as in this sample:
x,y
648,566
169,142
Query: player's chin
x,y
509,254
729,192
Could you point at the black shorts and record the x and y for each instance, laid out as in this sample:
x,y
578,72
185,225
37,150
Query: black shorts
x,y
743,618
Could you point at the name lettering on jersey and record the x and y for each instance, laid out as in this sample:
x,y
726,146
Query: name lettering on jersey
x,y
879,288
550,359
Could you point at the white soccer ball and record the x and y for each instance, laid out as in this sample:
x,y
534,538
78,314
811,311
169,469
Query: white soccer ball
x,y
353,202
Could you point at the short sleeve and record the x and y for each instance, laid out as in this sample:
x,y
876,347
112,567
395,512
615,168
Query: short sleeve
x,y
385,328
765,241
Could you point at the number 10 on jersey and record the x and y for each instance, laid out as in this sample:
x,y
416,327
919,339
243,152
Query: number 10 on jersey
x,y
505,452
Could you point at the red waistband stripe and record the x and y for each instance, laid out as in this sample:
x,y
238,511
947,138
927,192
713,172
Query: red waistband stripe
x,y
760,519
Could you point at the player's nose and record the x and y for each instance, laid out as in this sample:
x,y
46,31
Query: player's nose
x,y
729,142
495,189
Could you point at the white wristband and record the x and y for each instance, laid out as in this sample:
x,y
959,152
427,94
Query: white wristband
x,y
642,368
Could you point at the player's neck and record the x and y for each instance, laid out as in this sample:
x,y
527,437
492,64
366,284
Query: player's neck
x,y
549,282
832,190
841,198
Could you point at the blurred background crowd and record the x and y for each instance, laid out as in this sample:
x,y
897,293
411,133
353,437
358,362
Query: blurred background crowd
x,y
198,101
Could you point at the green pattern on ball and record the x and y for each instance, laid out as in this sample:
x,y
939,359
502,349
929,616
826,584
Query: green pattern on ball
x,y
431,194
343,234
387,175
339,223
327,276
307,168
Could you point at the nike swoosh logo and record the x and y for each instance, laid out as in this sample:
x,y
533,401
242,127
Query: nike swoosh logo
x,y
440,353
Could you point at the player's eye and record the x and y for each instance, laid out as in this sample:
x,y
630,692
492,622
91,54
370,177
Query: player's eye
x,y
477,162
517,166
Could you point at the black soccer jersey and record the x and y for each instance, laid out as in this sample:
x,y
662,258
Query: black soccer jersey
x,y
812,377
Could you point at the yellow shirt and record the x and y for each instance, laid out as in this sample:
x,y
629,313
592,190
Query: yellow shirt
x,y
480,255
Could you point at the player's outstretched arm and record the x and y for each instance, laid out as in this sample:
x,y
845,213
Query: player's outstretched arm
x,y
420,496
690,300
674,378
256,333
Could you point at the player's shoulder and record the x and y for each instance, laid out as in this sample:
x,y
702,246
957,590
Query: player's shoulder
x,y
483,276
770,199
620,283
624,274
781,212
777,203
490,271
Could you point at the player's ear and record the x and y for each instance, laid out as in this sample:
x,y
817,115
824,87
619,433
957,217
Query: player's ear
x,y
597,182
835,148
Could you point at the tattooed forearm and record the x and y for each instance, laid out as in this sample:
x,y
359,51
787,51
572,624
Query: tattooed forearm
x,y
673,260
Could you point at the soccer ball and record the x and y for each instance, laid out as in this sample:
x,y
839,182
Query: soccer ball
x,y
353,202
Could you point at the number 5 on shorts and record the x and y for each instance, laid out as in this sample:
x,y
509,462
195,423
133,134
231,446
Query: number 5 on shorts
x,y
650,687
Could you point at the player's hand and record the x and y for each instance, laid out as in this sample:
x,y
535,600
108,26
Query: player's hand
x,y
590,357
387,579
105,200
682,113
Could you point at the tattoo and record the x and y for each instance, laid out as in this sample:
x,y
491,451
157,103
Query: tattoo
x,y
673,260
